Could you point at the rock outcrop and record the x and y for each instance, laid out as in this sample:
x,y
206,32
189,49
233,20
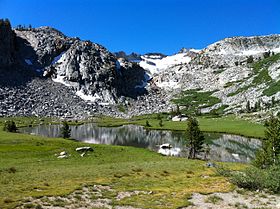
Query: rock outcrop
x,y
43,72
76,69
7,40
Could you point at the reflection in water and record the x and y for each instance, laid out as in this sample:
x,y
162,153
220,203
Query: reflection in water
x,y
223,147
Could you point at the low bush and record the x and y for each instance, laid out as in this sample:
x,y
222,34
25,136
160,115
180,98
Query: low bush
x,y
253,178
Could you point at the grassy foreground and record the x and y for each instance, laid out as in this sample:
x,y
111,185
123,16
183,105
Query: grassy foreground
x,y
29,167
228,124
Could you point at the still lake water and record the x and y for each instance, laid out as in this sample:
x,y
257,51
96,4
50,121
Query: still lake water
x,y
223,147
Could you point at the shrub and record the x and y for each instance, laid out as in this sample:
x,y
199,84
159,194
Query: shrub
x,y
250,59
12,170
251,178
254,178
10,126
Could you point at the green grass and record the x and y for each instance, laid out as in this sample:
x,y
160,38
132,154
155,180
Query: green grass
x,y
121,108
227,124
262,77
194,99
265,63
29,167
273,88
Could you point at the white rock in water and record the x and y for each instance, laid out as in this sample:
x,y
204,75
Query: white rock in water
x,y
165,146
170,152
176,118
236,156
179,118
184,119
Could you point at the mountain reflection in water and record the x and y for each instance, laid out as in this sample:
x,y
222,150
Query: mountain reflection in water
x,y
223,147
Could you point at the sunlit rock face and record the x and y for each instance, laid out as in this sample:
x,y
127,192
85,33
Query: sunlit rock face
x,y
36,56
94,80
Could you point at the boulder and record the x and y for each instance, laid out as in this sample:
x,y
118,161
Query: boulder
x,y
165,146
84,149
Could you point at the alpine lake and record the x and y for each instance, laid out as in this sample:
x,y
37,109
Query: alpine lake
x,y
219,147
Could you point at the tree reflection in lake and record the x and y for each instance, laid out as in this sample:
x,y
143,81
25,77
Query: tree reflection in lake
x,y
223,147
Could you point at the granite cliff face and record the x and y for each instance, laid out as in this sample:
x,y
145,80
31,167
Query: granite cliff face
x,y
88,70
7,40
41,67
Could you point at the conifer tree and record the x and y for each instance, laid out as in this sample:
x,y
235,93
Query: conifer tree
x,y
65,130
269,153
195,137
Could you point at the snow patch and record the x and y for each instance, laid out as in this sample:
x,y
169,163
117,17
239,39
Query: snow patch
x,y
57,58
196,50
169,85
28,61
91,98
155,64
60,79
118,65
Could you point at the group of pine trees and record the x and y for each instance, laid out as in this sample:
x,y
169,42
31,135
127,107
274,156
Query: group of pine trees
x,y
5,22
260,105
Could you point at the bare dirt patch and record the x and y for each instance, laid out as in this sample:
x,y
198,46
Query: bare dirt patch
x,y
240,199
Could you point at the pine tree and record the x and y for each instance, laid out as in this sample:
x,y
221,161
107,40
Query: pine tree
x,y
65,130
195,137
248,106
270,150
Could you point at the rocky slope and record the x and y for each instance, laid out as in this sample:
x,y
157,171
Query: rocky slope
x,y
234,70
89,77
44,72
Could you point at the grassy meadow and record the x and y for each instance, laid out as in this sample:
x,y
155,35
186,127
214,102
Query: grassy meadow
x,y
29,167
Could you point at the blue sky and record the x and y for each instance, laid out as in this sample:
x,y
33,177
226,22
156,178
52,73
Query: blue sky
x,y
148,25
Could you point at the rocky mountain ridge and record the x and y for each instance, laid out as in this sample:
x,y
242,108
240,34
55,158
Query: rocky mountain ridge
x,y
221,77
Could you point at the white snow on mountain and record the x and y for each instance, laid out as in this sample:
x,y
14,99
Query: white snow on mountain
x,y
196,50
57,58
91,98
60,79
155,64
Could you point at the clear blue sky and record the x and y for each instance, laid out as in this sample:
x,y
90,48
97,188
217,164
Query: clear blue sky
x,y
148,25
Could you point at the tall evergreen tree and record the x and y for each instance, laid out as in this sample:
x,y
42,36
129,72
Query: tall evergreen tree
x,y
269,153
195,137
248,106
65,130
